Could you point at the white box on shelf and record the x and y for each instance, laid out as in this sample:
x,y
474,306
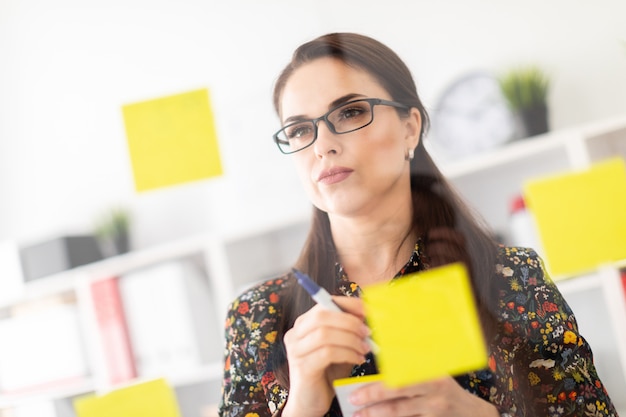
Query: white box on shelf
x,y
12,282
37,408
170,318
41,349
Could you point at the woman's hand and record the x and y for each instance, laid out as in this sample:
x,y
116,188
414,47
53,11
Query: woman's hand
x,y
321,347
442,397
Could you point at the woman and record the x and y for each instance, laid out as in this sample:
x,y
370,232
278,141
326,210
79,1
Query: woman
x,y
353,124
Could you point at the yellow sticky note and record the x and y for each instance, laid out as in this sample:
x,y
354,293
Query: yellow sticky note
x,y
581,217
426,326
172,140
147,399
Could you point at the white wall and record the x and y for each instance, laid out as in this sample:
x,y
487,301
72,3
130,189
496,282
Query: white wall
x,y
67,67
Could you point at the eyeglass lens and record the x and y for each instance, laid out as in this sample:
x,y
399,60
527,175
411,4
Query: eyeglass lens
x,y
344,119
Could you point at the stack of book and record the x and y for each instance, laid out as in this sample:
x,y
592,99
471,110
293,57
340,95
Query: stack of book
x,y
156,321
42,347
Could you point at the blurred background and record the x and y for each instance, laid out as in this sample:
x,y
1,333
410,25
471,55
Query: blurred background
x,y
69,66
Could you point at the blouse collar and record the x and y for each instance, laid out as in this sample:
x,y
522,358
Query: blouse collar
x,y
351,289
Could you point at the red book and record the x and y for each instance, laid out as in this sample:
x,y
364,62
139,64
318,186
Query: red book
x,y
114,335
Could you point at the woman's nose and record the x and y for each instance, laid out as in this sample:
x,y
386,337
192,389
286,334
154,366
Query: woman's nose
x,y
327,141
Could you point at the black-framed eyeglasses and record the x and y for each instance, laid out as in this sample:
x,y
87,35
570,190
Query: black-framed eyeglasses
x,y
345,118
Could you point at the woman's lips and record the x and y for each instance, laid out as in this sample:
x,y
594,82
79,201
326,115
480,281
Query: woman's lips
x,y
334,175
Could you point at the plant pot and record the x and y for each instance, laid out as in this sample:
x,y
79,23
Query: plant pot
x,y
121,242
113,245
534,120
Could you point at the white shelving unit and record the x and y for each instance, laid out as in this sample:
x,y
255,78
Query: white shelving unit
x,y
488,181
229,262
232,262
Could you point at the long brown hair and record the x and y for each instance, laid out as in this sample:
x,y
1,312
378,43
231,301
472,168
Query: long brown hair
x,y
435,203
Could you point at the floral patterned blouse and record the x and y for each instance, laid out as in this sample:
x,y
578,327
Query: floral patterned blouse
x,y
539,365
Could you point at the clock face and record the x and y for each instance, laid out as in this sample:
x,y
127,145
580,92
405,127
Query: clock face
x,y
471,116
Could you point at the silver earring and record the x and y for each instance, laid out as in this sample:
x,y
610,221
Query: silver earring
x,y
409,155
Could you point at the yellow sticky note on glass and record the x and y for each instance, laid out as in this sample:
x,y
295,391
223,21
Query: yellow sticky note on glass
x,y
581,217
172,140
148,399
426,326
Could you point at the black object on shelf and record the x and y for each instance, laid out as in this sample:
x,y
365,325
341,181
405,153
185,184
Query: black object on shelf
x,y
534,120
58,255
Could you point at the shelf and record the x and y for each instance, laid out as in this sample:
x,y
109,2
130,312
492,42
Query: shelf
x,y
47,394
513,151
579,283
67,281
210,372
489,180
570,140
206,373
587,280
276,246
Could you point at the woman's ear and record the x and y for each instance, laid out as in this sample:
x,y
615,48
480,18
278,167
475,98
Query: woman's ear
x,y
413,123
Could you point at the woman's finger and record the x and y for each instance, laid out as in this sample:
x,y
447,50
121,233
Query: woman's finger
x,y
351,305
319,318
378,392
323,338
442,397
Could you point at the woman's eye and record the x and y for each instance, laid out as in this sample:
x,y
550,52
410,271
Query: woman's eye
x,y
352,112
299,131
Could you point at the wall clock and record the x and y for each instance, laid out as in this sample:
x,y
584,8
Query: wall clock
x,y
471,115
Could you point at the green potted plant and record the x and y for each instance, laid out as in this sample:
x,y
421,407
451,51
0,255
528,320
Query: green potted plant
x,y
526,91
112,230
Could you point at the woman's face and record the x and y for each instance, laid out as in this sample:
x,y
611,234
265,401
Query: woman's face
x,y
353,173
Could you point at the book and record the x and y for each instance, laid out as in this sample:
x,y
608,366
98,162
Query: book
x,y
171,318
42,348
113,331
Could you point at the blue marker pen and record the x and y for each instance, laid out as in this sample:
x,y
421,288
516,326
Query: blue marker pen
x,y
323,298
